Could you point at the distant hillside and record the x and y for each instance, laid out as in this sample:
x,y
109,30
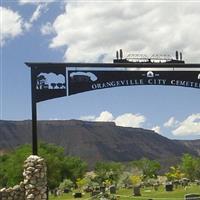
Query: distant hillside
x,y
94,141
192,144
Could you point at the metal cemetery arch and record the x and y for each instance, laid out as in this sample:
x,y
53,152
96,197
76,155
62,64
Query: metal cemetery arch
x,y
53,80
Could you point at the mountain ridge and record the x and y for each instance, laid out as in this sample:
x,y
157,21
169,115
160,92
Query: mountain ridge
x,y
94,141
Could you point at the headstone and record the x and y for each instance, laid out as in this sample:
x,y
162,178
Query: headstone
x,y
78,195
192,197
155,186
102,189
129,187
88,189
104,197
197,182
176,183
169,187
112,189
55,193
136,191
95,193
66,190
185,182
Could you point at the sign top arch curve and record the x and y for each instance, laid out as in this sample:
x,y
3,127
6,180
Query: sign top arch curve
x,y
53,80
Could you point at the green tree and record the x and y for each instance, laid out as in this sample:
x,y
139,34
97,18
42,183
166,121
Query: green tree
x,y
135,180
149,168
11,165
108,171
190,165
4,178
66,184
174,173
84,182
74,168
54,157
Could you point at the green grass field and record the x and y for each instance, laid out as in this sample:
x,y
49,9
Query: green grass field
x,y
149,193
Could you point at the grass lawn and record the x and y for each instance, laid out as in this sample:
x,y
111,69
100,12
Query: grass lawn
x,y
126,194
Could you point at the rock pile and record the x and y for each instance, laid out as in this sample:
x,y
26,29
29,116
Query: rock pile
x,y
15,193
35,179
34,186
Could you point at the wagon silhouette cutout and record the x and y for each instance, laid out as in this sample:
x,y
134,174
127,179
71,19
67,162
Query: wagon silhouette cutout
x,y
83,76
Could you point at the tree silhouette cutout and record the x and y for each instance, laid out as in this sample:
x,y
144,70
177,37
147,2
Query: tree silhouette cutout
x,y
53,85
64,85
41,81
59,85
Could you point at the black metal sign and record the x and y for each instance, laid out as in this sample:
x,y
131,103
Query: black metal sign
x,y
53,80
50,83
58,82
81,81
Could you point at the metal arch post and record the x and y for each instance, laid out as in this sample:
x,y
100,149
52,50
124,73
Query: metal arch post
x,y
34,113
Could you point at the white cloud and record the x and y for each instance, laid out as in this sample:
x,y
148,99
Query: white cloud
x,y
41,7
190,126
105,116
27,26
11,24
125,120
90,30
171,123
130,120
35,1
157,129
47,29
88,118
37,13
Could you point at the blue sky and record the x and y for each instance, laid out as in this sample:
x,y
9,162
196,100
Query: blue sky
x,y
82,31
